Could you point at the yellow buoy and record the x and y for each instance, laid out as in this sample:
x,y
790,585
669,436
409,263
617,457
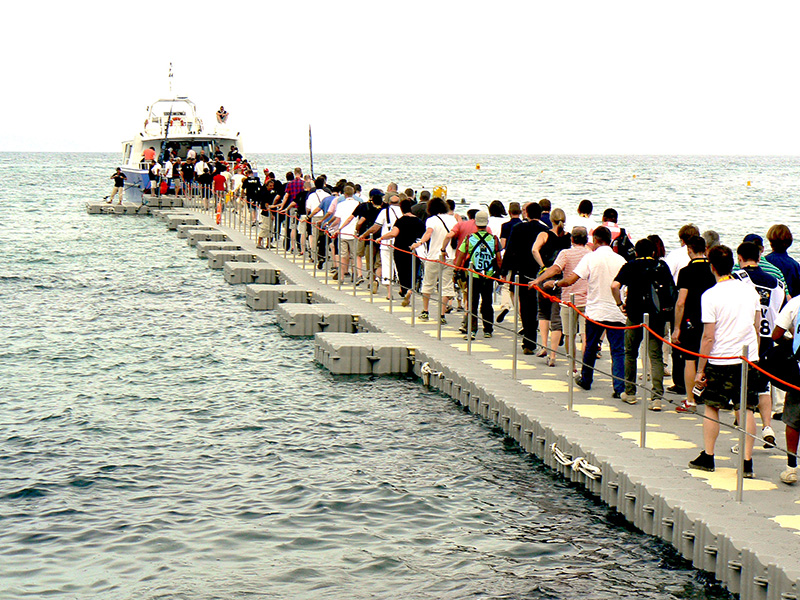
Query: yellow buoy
x,y
478,166
748,184
634,176
440,192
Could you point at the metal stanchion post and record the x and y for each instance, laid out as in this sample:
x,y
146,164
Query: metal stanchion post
x,y
353,257
645,373
340,264
292,243
440,312
391,277
572,321
303,248
469,312
285,238
325,264
413,287
371,268
515,356
742,425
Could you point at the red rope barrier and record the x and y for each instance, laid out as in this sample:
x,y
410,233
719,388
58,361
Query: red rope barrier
x,y
552,298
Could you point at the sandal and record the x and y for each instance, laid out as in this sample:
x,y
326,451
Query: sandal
x,y
542,353
551,362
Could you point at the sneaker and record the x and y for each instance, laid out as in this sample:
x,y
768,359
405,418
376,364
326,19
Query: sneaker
x,y
789,476
618,395
527,351
335,276
502,315
375,287
360,281
655,405
487,334
704,462
470,335
685,407
462,329
424,316
582,384
629,398
735,449
443,319
748,470
677,389
769,437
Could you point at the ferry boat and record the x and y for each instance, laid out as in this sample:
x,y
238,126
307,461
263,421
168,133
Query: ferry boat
x,y
171,126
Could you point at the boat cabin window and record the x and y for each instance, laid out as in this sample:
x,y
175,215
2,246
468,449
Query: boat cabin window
x,y
182,147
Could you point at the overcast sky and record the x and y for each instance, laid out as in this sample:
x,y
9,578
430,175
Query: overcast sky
x,y
527,77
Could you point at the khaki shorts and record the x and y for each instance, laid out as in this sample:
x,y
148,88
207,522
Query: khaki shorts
x,y
430,281
361,248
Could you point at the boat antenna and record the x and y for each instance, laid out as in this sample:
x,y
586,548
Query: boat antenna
x,y
311,152
169,120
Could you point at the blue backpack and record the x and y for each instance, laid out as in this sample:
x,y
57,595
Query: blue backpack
x,y
482,253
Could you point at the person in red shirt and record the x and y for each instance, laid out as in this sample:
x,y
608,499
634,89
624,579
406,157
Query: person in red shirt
x,y
220,188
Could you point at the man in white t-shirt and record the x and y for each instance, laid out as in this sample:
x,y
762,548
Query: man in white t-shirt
x,y
731,313
583,218
439,251
346,233
599,268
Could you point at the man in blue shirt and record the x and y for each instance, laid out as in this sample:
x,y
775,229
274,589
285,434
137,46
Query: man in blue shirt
x,y
780,238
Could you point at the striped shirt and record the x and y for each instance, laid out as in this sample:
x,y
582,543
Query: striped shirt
x,y
567,260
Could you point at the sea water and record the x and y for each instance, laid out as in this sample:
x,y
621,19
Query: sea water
x,y
160,440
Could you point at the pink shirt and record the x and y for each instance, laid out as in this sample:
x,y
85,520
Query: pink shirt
x,y
567,260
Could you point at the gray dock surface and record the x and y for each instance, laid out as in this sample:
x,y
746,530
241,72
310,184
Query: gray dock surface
x,y
751,547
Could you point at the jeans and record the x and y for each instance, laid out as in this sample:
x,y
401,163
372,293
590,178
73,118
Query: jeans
x,y
633,339
616,339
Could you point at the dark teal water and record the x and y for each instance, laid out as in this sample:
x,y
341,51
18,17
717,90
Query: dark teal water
x,y
160,440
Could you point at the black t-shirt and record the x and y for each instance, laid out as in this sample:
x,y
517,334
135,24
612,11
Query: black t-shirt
x,y
553,246
369,212
696,278
251,185
505,228
411,229
639,276
119,179
188,172
265,199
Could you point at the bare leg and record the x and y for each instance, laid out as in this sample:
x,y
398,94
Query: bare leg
x,y
711,430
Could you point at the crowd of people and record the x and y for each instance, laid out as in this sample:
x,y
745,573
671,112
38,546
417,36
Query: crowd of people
x,y
710,300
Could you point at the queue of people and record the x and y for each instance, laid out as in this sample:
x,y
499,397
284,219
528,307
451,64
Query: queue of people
x,y
709,299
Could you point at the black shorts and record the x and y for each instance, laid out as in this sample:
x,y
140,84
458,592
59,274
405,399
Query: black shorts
x,y
690,339
791,409
723,389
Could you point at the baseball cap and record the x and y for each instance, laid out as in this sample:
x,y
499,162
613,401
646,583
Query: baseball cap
x,y
754,238
375,192
482,218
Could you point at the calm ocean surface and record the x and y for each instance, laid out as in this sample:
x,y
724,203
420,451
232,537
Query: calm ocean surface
x,y
160,440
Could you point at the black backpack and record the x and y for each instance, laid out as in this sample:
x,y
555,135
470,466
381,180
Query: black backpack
x,y
663,292
623,246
